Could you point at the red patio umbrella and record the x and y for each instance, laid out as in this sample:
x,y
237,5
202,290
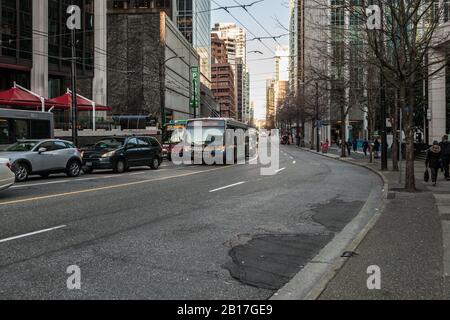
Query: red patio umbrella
x,y
18,97
65,101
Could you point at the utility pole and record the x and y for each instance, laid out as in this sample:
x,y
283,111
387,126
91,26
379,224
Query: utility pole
x,y
74,91
317,119
74,23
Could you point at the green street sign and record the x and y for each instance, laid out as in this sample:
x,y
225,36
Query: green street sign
x,y
195,96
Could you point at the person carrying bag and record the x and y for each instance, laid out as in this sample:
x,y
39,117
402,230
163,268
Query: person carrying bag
x,y
433,162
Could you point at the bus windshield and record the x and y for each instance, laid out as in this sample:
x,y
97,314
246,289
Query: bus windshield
x,y
22,146
210,133
172,136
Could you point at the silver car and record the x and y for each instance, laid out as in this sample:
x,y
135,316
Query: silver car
x,y
43,157
6,175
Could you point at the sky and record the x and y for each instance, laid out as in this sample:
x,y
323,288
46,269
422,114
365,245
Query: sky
x,y
267,13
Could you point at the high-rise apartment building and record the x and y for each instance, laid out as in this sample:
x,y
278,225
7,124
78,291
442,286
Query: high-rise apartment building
x,y
222,78
235,39
270,104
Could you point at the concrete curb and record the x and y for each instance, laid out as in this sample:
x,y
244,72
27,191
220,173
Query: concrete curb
x,y
313,279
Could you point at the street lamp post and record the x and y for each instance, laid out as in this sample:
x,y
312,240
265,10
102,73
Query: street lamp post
x,y
162,91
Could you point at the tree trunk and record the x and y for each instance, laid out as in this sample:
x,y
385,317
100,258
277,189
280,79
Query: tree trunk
x,y
395,128
410,179
343,135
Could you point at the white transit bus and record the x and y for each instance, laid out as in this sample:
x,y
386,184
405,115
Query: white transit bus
x,y
226,139
21,125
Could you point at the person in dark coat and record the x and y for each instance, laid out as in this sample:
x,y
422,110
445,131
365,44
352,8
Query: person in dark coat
x,y
365,147
376,147
433,161
355,145
445,156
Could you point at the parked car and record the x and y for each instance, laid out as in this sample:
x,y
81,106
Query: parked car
x,y
120,154
7,177
43,157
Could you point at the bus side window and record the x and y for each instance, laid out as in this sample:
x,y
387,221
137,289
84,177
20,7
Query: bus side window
x,y
40,129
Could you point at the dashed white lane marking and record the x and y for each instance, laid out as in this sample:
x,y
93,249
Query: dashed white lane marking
x,y
279,170
227,187
32,234
446,240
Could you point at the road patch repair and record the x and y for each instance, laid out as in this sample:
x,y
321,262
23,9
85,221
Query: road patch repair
x,y
270,261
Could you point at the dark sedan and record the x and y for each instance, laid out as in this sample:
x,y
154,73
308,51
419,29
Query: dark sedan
x,y
120,154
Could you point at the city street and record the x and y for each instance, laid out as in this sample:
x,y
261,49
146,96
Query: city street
x,y
183,232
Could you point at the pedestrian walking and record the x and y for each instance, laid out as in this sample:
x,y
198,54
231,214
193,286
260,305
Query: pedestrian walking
x,y
348,144
445,156
365,147
325,146
433,161
376,146
355,145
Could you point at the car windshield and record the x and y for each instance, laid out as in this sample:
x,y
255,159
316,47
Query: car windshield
x,y
110,144
22,146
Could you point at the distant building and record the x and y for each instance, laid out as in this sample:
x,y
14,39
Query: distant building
x,y
246,117
222,78
149,60
143,6
270,104
439,84
235,39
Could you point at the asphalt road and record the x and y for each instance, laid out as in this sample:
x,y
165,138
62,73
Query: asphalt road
x,y
183,232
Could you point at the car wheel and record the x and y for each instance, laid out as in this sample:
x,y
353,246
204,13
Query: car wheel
x,y
120,166
73,169
155,163
22,172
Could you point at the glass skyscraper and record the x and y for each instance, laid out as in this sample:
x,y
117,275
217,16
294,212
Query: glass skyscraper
x,y
194,21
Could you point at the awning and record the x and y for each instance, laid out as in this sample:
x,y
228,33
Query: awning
x,y
65,101
19,97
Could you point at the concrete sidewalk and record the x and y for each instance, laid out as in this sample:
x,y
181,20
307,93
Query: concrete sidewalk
x,y
410,243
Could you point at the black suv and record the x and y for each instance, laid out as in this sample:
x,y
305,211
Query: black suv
x,y
120,154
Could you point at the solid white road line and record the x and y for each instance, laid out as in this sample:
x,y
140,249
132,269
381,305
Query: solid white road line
x,y
32,233
227,187
93,178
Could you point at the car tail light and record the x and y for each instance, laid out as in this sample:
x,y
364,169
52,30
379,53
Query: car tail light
x,y
8,164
